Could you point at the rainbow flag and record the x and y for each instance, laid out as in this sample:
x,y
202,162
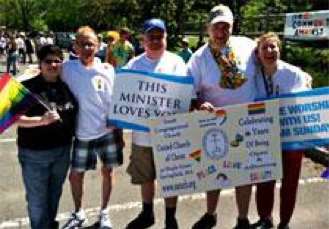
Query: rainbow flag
x,y
14,100
256,108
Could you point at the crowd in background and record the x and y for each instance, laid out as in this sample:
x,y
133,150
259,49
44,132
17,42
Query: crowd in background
x,y
21,47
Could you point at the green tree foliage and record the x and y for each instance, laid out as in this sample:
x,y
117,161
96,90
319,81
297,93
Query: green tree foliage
x,y
315,61
262,15
63,15
23,14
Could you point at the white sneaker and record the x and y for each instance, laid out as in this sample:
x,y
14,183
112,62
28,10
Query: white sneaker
x,y
104,220
76,220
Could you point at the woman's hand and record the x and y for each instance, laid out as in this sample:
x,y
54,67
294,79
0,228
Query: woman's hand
x,y
49,117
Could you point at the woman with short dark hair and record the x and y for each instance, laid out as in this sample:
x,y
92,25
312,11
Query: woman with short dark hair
x,y
44,139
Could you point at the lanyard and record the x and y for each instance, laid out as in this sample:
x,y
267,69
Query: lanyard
x,y
231,76
268,83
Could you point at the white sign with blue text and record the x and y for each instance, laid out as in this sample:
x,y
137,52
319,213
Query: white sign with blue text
x,y
307,25
304,119
139,95
201,151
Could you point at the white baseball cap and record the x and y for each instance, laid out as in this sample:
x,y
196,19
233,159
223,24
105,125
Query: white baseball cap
x,y
221,13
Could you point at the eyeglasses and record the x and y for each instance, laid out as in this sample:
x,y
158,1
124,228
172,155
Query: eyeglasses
x,y
155,37
52,61
86,45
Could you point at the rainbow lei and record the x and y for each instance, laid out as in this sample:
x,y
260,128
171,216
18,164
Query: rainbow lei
x,y
232,76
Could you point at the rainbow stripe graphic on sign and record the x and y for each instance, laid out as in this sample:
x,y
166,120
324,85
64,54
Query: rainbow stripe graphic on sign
x,y
221,114
256,108
196,155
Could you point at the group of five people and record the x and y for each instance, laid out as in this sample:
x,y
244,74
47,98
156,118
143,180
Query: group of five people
x,y
227,70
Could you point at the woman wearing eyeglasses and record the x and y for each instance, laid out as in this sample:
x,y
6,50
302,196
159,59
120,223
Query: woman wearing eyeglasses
x,y
277,77
44,140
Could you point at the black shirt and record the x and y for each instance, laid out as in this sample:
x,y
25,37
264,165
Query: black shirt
x,y
56,95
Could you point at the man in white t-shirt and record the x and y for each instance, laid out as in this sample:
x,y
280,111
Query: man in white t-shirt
x,y
91,82
3,44
21,47
223,71
50,39
141,166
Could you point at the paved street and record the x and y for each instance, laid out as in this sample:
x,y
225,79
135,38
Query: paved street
x,y
312,211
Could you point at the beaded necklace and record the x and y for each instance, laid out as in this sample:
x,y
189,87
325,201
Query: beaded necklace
x,y
232,76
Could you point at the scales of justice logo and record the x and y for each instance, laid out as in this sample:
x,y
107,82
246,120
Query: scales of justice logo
x,y
215,144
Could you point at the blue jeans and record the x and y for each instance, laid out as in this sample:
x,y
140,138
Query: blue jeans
x,y
12,60
44,173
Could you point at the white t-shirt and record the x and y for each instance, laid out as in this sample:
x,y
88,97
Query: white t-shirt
x,y
3,42
20,43
207,76
287,79
50,41
92,88
42,41
169,63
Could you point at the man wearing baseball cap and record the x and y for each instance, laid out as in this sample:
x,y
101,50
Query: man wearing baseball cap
x,y
141,167
223,72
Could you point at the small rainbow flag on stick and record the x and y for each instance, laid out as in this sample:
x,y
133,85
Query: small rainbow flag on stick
x,y
14,100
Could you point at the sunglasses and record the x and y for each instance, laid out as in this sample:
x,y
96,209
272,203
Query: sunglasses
x,y
52,61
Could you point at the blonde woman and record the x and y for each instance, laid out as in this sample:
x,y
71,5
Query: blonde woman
x,y
276,77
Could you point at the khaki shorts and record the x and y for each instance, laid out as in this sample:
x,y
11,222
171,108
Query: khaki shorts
x,y
141,166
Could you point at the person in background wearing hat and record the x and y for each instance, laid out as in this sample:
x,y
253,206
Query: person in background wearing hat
x,y
223,71
121,51
141,167
111,38
186,52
